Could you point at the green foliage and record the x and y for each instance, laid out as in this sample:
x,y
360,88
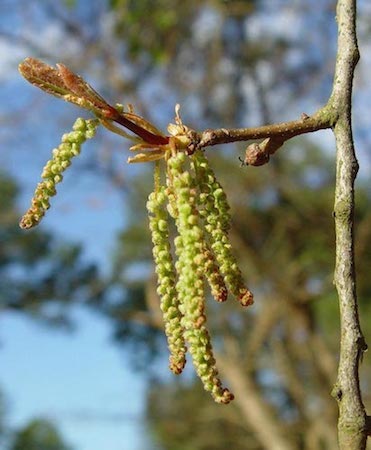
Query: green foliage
x,y
149,26
165,16
70,3
160,29
39,434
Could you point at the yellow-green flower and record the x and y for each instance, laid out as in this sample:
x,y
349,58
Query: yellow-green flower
x,y
214,209
54,168
192,260
158,221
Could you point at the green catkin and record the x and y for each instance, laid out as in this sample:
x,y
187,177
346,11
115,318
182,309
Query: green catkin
x,y
213,275
158,222
206,256
53,171
214,210
190,286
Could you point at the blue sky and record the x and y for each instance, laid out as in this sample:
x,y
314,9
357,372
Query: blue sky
x,y
80,380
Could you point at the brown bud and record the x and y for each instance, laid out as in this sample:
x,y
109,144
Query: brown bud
x,y
258,154
255,156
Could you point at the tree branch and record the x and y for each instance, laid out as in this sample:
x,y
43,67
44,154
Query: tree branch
x,y
352,425
275,135
285,130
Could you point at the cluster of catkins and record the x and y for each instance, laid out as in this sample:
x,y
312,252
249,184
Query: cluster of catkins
x,y
191,197
196,202
53,171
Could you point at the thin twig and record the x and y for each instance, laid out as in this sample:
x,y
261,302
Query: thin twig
x,y
275,135
286,130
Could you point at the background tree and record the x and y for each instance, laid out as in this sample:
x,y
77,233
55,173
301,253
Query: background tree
x,y
39,434
40,277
